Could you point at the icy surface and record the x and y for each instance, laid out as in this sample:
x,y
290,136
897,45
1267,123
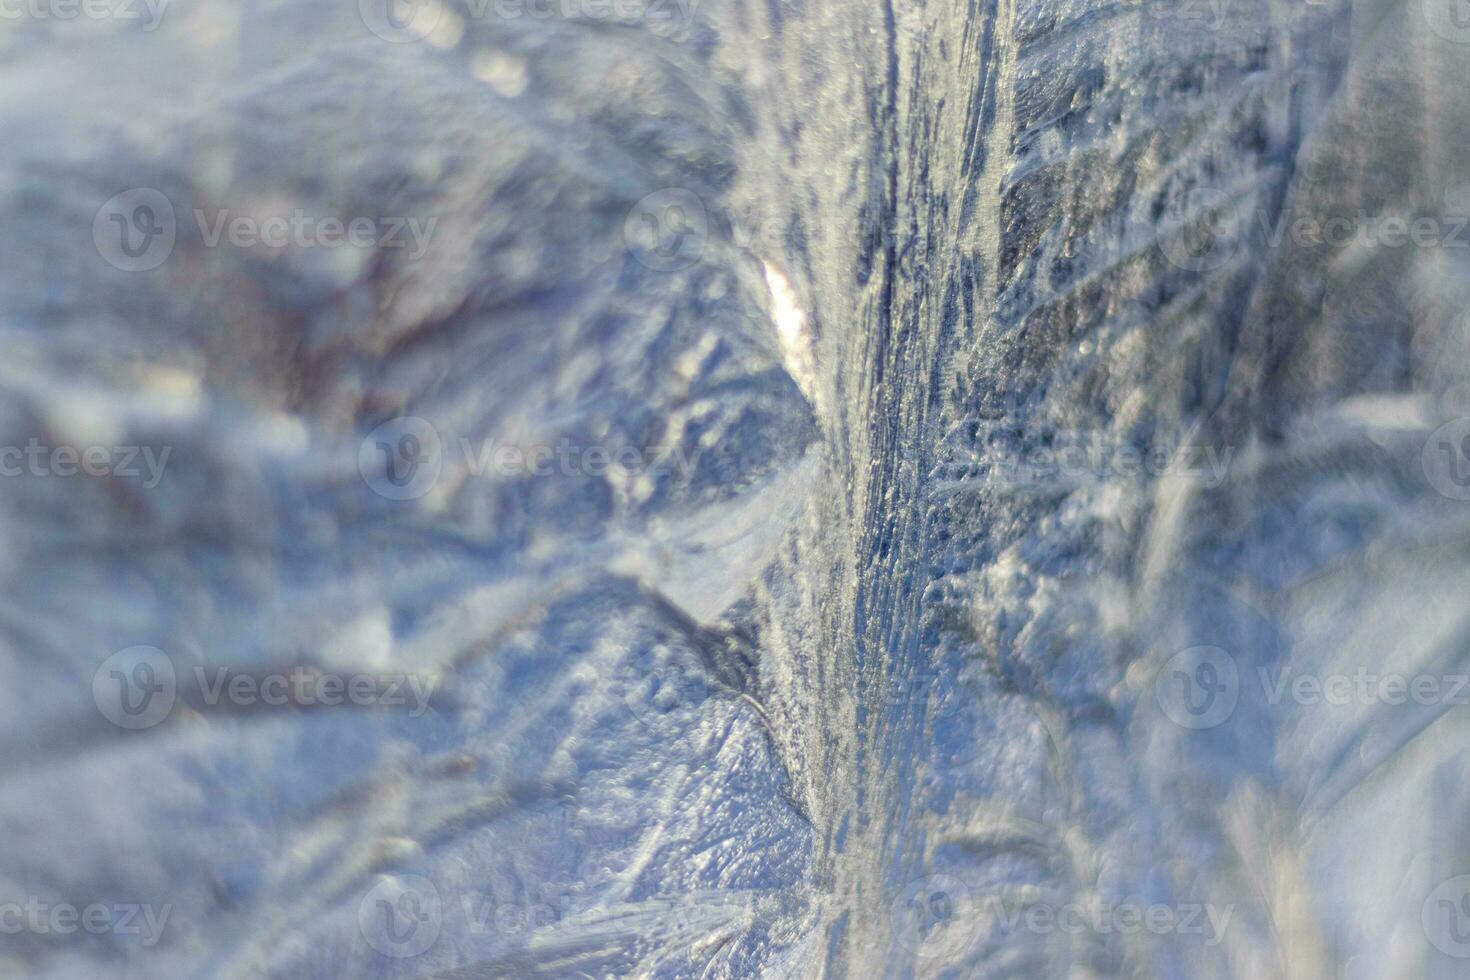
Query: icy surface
x,y
847,672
